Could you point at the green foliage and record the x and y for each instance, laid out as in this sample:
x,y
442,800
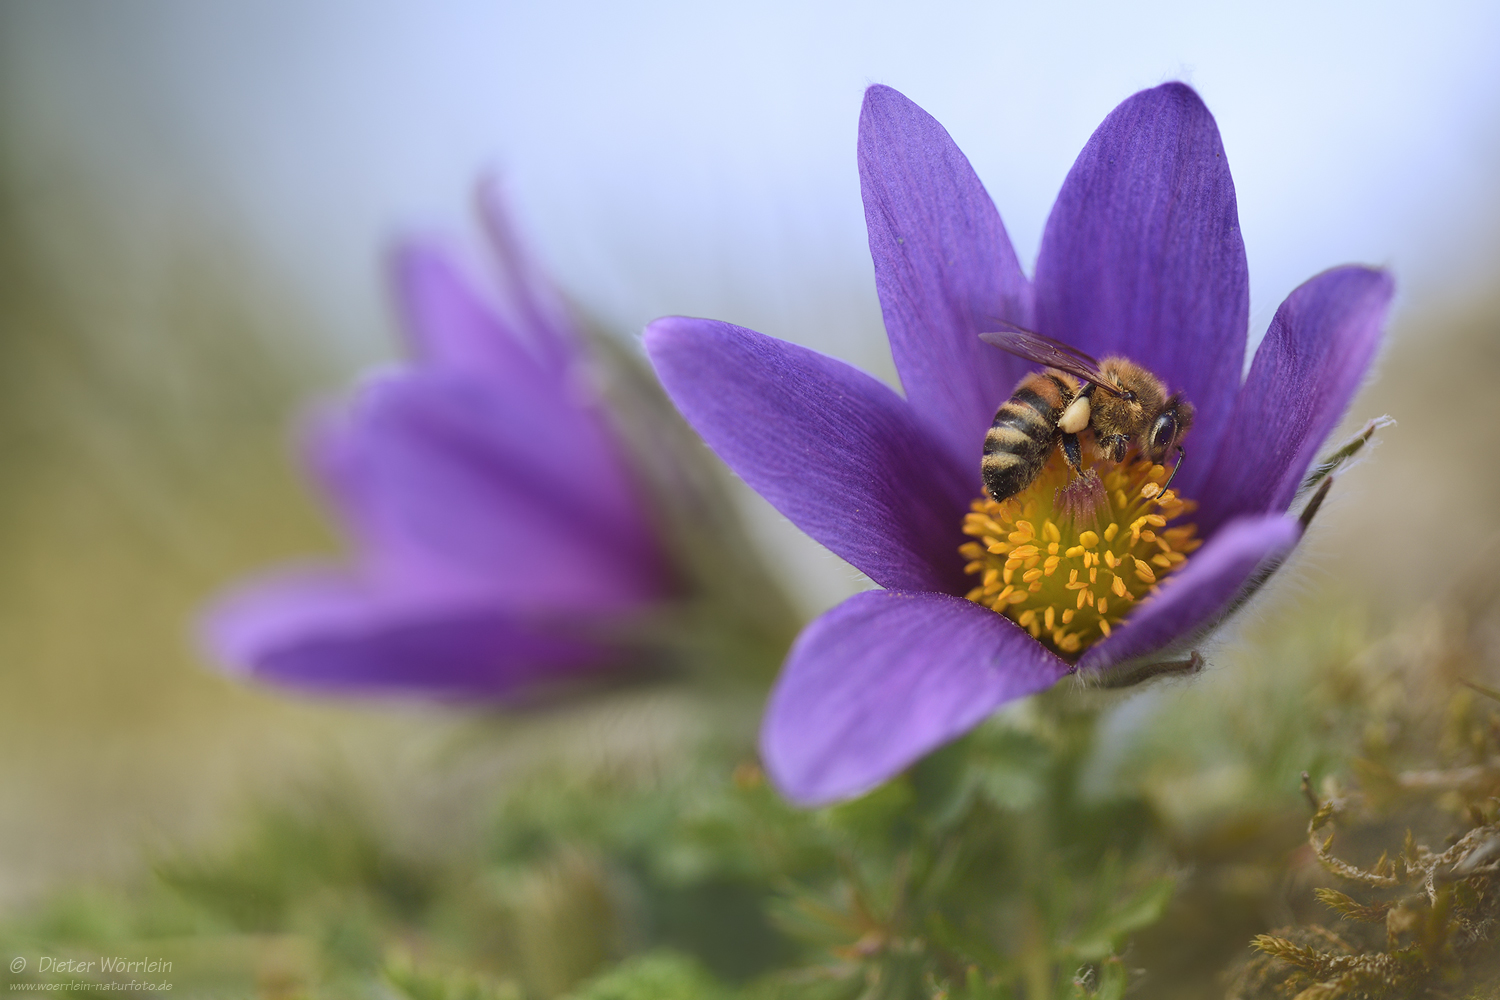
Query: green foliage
x,y
1408,919
1074,848
656,975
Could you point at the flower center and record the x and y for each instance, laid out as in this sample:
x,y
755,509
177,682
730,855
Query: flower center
x,y
1069,556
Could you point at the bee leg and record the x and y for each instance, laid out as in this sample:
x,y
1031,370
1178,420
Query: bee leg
x,y
1072,452
1115,447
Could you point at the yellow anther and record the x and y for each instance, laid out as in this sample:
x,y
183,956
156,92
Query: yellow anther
x,y
1017,547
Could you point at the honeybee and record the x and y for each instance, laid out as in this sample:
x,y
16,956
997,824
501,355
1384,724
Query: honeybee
x,y
1116,399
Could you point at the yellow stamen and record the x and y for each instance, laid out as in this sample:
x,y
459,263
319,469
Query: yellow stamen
x,y
1019,548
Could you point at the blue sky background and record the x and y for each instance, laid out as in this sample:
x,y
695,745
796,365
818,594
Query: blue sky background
x,y
699,158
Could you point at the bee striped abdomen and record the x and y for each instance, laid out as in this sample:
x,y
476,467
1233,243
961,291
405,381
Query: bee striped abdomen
x,y
1023,434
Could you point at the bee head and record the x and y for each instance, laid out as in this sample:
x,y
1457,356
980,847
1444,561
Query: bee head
x,y
1170,425
1129,410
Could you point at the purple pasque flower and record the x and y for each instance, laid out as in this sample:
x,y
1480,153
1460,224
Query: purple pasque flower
x,y
498,534
1142,256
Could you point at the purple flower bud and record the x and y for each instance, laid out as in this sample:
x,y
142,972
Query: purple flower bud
x,y
498,533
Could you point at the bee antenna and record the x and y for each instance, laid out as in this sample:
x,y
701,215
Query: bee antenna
x,y
1180,454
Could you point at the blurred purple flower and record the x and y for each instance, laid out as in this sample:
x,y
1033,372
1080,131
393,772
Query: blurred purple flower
x,y
1142,256
498,532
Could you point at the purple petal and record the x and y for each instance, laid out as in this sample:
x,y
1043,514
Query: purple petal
x,y
516,494
1313,359
321,631
837,452
529,292
1142,256
944,268
449,325
884,678
1192,598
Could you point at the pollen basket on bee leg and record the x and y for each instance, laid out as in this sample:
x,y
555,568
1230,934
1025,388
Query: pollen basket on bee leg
x,y
1068,557
1076,417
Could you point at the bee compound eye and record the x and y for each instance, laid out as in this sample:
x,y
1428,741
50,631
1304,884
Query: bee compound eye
x,y
1163,432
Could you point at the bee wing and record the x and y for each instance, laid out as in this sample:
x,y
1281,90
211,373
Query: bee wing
x,y
1046,351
